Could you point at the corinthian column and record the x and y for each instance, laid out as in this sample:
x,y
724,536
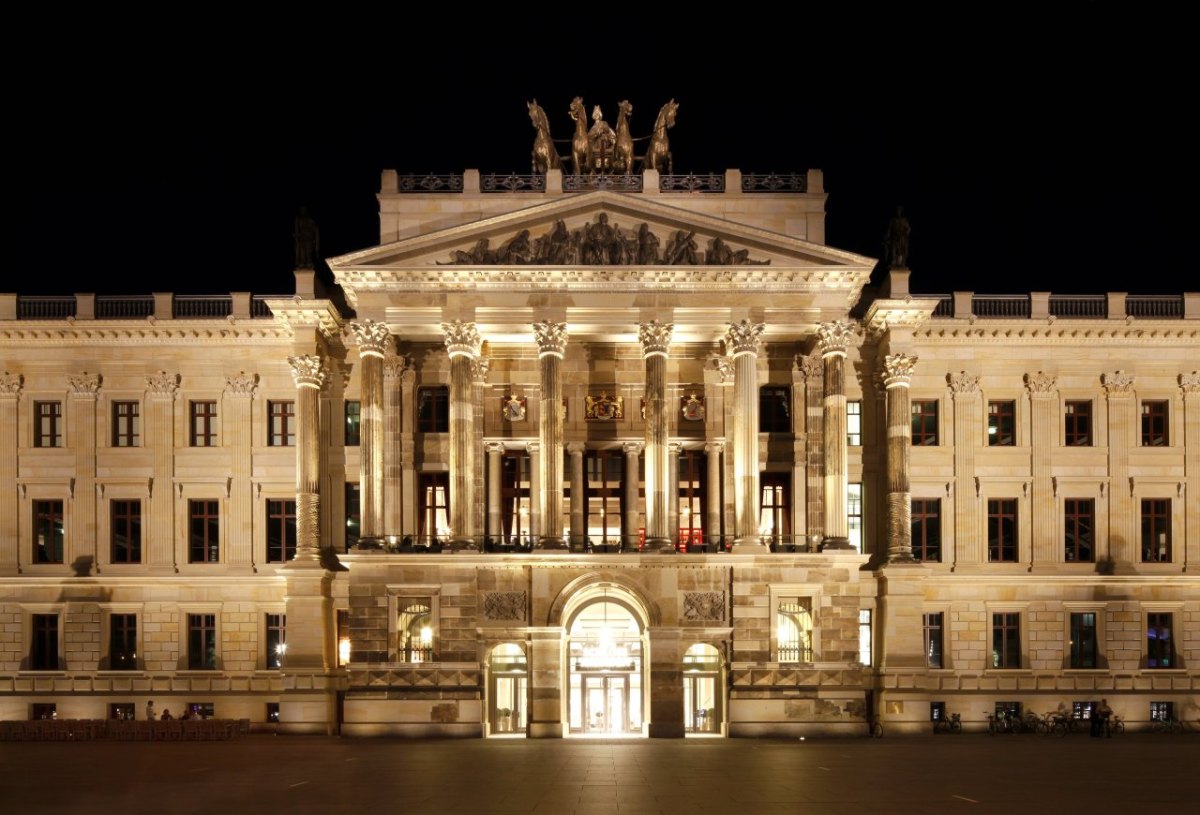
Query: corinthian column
x,y
463,346
742,342
373,339
552,343
712,524
309,374
656,339
495,459
833,338
629,534
897,378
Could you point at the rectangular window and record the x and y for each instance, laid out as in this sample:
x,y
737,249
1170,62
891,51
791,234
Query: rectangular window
x,y
44,710
1083,639
43,651
343,637
1160,651
1162,711
47,531
353,423
1156,530
933,640
126,535
435,507
927,529
774,515
865,647
774,409
281,418
353,516
122,711
201,710
1079,532
1006,640
1154,424
202,642
272,713
414,629
854,423
1079,423
125,424
202,424
1002,424
793,630
1002,530
47,430
122,642
433,409
925,422
854,515
204,531
937,711
1082,711
281,531
276,628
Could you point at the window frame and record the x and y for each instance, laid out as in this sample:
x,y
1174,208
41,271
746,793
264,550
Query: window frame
x,y
1010,633
205,519
774,414
53,435
928,628
133,521
45,648
1153,621
786,652
854,423
110,651
274,640
281,423
1077,650
1001,412
197,661
1073,436
352,504
126,423
42,512
918,517
280,535
922,418
1002,545
433,409
206,413
1073,521
1153,525
1155,422
352,424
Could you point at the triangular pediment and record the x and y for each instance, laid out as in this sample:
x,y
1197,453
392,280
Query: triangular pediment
x,y
600,228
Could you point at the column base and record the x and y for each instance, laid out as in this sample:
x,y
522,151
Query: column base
x,y
659,546
552,545
749,545
903,557
545,730
837,545
665,730
462,545
370,544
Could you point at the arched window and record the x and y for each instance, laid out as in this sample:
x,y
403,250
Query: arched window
x,y
793,630
415,631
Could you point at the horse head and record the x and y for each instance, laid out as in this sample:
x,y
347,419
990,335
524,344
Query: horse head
x,y
666,116
577,110
624,108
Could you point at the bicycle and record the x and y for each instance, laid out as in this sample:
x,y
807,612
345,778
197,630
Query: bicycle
x,y
1116,725
951,724
1169,726
875,730
1057,724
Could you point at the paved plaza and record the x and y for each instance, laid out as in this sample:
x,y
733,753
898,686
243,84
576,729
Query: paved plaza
x,y
947,774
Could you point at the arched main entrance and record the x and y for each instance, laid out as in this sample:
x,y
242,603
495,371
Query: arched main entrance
x,y
606,656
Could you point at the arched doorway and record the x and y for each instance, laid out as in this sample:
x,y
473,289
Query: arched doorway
x,y
606,658
703,705
508,688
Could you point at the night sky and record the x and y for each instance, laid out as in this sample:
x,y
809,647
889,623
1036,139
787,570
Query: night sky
x,y
1040,164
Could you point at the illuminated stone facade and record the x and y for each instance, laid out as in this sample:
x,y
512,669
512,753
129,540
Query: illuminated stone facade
x,y
590,462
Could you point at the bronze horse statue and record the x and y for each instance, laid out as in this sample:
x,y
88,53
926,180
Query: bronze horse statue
x,y
658,151
623,158
581,147
545,157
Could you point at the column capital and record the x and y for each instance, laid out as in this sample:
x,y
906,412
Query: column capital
x,y
373,337
963,383
532,447
1189,383
308,371
576,448
674,447
479,368
898,369
655,337
1118,383
162,384
551,338
811,367
633,448
395,367
714,447
1041,383
84,385
241,384
494,447
10,384
742,337
723,366
462,339
834,337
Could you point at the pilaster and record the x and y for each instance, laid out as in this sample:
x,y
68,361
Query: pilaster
x,y
1043,392
545,683
1190,383
898,370
666,683
162,390
10,395
814,445
236,435
394,369
968,543
495,463
578,496
82,538
629,531
1122,429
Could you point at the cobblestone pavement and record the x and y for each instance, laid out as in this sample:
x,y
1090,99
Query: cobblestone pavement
x,y
945,774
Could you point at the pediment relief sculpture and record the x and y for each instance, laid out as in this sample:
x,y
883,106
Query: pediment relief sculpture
x,y
601,243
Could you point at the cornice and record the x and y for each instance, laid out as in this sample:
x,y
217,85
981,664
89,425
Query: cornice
x,y
297,312
183,332
1103,333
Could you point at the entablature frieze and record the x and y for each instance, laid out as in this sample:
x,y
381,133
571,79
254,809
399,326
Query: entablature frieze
x,y
186,332
1103,333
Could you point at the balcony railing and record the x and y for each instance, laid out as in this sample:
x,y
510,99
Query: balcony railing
x,y
201,306
945,306
522,544
774,182
259,307
45,308
1078,305
120,307
587,183
512,182
1154,306
1000,305
692,182
432,182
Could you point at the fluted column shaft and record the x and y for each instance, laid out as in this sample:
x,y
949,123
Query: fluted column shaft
x,y
578,495
535,490
834,338
552,340
495,463
743,341
10,393
372,341
898,376
712,525
463,346
1047,545
629,534
969,546
672,492
1123,538
1190,383
309,374
656,340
